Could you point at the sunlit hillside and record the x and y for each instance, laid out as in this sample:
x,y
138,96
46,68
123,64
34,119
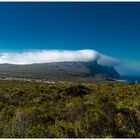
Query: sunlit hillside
x,y
35,110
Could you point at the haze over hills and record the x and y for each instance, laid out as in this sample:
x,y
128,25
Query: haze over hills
x,y
65,71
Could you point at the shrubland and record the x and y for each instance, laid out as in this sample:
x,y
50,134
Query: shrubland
x,y
69,110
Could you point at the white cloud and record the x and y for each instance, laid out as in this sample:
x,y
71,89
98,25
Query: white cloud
x,y
46,56
131,67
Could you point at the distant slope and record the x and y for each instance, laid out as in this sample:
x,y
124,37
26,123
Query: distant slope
x,y
68,71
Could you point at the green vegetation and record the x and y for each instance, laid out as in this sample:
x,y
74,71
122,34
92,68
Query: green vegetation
x,y
60,71
39,110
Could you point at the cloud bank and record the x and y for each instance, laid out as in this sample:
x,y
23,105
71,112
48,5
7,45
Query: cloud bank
x,y
130,67
47,56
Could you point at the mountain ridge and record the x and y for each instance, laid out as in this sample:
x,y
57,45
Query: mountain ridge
x,y
59,71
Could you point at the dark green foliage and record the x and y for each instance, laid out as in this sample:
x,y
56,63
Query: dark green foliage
x,y
39,110
77,90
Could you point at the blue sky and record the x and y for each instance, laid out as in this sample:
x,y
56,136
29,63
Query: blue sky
x,y
110,28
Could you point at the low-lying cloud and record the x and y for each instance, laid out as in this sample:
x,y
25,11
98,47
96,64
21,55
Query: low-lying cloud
x,y
46,56
129,67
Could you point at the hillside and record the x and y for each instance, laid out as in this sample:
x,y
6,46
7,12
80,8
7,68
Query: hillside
x,y
38,110
65,71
